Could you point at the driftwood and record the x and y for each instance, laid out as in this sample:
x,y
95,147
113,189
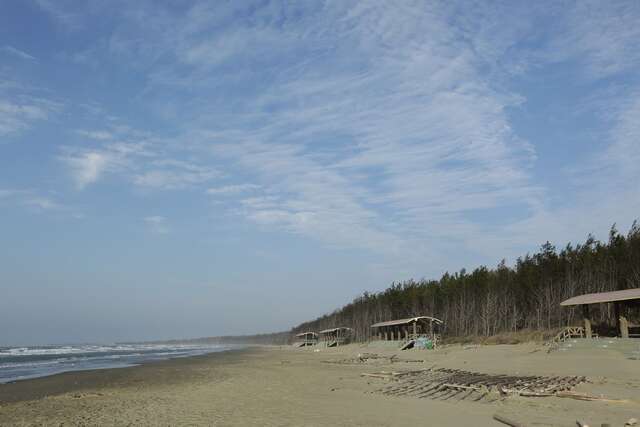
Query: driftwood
x,y
456,384
588,397
373,357
507,421
461,387
384,376
387,375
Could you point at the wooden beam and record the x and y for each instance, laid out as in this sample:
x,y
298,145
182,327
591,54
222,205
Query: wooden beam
x,y
624,327
587,321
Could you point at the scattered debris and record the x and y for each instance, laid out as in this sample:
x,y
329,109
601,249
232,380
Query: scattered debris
x,y
454,383
373,358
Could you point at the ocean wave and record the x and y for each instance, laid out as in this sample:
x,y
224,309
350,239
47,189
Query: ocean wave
x,y
30,362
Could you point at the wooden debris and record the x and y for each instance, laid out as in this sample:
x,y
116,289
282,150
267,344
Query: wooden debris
x,y
456,384
507,421
588,397
384,376
373,358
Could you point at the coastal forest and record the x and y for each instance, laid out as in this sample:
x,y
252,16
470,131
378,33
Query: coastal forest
x,y
486,302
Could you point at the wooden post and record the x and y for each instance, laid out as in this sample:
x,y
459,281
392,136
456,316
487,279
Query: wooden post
x,y
415,332
624,327
386,334
587,322
617,315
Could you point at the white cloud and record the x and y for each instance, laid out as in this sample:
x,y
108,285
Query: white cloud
x,y
42,203
171,174
17,53
19,113
369,125
602,35
387,142
32,199
232,189
87,167
100,135
138,157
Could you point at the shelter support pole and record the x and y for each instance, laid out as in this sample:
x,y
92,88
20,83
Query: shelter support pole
x,y
622,322
587,322
624,327
415,331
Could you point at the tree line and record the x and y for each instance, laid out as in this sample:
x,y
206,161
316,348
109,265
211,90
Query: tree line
x,y
491,301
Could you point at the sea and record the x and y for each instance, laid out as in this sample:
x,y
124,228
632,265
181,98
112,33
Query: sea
x,y
19,363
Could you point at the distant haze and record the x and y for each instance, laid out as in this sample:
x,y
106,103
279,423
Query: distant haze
x,y
220,168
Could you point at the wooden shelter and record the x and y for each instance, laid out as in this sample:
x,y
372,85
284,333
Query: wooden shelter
x,y
622,301
335,336
408,329
306,339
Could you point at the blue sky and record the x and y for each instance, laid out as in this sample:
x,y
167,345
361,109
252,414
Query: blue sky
x,y
174,169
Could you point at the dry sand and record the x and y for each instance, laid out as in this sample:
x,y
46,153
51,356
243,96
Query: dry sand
x,y
272,386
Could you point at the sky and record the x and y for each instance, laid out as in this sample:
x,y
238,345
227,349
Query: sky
x,y
197,168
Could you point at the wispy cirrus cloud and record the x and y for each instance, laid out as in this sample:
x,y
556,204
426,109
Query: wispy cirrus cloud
x,y
136,156
17,53
172,175
100,135
22,106
34,200
601,35
232,189
384,127
423,138
363,130
17,114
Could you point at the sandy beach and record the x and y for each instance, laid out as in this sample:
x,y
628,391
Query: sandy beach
x,y
283,386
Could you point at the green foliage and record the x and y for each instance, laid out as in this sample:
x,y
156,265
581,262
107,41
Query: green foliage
x,y
502,300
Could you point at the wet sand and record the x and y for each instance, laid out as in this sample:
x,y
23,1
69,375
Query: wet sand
x,y
275,386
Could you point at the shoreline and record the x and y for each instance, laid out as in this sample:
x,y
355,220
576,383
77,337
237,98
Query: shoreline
x,y
73,381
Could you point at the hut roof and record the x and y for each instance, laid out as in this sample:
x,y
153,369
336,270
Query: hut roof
x,y
405,321
307,333
328,331
627,294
